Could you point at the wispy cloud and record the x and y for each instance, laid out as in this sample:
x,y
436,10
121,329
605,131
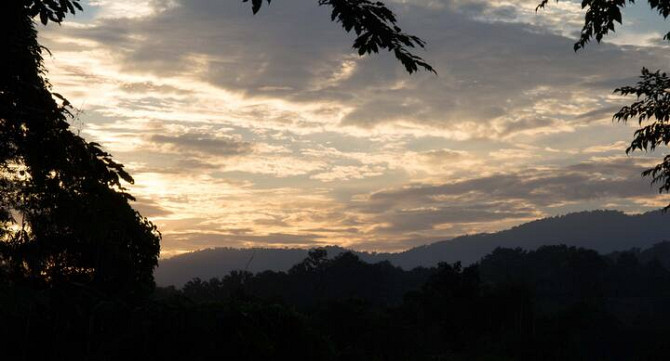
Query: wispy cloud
x,y
266,130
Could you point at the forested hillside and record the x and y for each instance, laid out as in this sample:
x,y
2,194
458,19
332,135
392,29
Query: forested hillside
x,y
603,231
554,303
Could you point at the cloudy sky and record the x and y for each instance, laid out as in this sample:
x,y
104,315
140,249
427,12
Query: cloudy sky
x,y
268,130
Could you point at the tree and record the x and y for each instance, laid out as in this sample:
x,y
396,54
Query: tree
x,y
652,107
65,215
374,24
653,110
376,28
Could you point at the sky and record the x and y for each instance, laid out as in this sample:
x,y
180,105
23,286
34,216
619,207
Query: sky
x,y
269,131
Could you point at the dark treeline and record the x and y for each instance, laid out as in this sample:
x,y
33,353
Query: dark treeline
x,y
604,231
555,303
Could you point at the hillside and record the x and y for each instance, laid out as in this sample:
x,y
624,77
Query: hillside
x,y
603,231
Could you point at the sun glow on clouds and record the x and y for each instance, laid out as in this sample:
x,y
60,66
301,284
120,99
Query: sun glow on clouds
x,y
115,9
243,131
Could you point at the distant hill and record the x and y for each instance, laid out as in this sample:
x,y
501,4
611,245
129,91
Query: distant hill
x,y
603,231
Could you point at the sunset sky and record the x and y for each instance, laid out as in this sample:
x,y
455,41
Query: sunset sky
x,y
270,131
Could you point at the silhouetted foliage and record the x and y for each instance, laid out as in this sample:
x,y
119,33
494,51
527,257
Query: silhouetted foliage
x,y
375,26
51,10
67,228
315,280
558,302
652,103
602,231
65,214
555,303
601,17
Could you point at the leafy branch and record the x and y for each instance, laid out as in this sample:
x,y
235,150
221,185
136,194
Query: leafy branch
x,y
375,26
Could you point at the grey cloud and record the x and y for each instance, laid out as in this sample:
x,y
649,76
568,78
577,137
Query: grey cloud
x,y
186,163
598,114
443,153
281,238
527,123
274,221
624,79
427,218
488,69
441,156
591,180
238,239
150,208
517,195
282,48
143,87
505,13
621,168
191,142
151,103
333,230
290,50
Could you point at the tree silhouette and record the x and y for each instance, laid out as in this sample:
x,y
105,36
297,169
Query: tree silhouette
x,y
652,107
65,215
374,24
376,28
652,112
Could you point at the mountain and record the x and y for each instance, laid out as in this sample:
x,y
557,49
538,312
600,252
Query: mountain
x,y
603,231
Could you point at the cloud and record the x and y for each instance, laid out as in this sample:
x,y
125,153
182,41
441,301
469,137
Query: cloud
x,y
150,208
242,239
429,218
519,195
616,178
253,130
224,147
343,173
492,74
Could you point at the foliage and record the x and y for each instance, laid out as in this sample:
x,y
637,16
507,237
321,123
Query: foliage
x,y
313,280
601,17
65,215
558,302
554,303
375,26
52,10
653,103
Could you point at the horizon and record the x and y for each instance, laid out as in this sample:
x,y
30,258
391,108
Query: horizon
x,y
203,179
373,252
241,131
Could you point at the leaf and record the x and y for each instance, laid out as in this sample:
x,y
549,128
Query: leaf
x,y
256,5
44,17
375,27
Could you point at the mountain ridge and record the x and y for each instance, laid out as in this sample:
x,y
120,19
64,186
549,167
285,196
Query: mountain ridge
x,y
605,231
